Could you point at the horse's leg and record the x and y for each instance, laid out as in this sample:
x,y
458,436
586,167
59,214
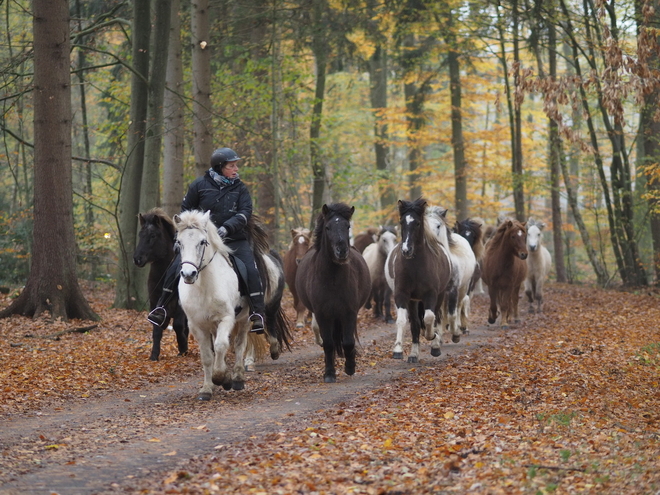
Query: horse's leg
x,y
378,302
415,329
300,314
515,298
240,346
221,346
326,330
539,296
249,356
317,331
401,320
387,301
493,292
465,313
156,337
452,314
180,326
348,342
205,344
530,292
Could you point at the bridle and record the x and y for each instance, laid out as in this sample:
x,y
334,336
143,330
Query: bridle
x,y
204,243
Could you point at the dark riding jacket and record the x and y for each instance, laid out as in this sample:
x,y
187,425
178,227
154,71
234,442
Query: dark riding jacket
x,y
230,205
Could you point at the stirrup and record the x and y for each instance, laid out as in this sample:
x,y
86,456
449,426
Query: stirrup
x,y
157,316
257,323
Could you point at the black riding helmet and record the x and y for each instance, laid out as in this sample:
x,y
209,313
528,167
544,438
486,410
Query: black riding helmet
x,y
222,156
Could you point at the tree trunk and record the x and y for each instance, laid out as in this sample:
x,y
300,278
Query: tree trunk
x,y
173,187
203,145
52,284
457,141
517,162
129,193
555,171
320,49
378,97
649,43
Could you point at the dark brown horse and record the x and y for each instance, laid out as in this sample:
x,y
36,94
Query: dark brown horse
x,y
473,230
301,240
418,270
504,270
156,246
363,239
333,283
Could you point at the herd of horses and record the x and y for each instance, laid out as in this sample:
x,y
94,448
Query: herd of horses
x,y
429,269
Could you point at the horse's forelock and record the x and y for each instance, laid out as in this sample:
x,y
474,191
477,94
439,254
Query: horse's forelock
x,y
335,209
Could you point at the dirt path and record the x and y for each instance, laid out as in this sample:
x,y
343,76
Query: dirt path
x,y
120,442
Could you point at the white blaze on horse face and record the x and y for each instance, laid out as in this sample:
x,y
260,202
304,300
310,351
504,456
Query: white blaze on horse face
x,y
409,219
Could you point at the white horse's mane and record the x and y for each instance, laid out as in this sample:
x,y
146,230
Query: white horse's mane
x,y
195,219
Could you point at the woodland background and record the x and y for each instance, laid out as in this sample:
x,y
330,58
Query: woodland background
x,y
527,108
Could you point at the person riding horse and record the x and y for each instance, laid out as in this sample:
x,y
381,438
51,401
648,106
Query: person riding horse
x,y
221,192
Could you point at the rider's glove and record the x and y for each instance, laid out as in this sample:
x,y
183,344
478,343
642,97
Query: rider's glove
x,y
222,232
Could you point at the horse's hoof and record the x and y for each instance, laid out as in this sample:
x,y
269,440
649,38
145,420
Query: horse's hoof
x,y
492,320
238,385
153,358
251,367
300,325
226,385
275,355
397,355
329,379
204,396
183,353
455,339
504,327
464,330
435,352
349,369
413,359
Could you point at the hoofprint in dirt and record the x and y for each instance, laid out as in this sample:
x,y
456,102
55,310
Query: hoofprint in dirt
x,y
96,444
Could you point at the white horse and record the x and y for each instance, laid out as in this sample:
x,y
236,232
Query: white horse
x,y
456,304
539,262
375,255
217,312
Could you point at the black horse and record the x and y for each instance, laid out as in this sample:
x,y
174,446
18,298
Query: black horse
x,y
333,283
156,246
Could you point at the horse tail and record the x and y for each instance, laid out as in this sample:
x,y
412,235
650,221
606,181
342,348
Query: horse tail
x,y
279,326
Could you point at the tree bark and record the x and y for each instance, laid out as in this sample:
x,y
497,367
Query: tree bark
x,y
458,144
129,193
203,145
52,284
320,50
173,107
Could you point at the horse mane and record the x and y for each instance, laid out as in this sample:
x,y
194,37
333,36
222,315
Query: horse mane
x,y
504,226
341,209
158,214
441,214
193,219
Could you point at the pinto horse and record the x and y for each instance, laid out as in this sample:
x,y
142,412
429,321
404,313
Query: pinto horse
x,y
539,262
505,269
333,283
156,246
209,290
301,240
375,255
418,270
473,231
456,304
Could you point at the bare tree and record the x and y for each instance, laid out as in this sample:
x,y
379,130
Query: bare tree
x,y
201,85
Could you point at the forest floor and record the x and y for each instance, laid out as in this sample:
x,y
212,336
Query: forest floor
x,y
567,401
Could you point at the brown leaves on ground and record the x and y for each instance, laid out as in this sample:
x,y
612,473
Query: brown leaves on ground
x,y
570,403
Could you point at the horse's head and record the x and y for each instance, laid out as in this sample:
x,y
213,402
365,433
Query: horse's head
x,y
333,229
301,241
155,239
470,229
534,234
516,237
386,239
197,240
411,221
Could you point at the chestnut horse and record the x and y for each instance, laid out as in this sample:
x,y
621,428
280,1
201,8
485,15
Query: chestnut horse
x,y
301,240
333,283
504,270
